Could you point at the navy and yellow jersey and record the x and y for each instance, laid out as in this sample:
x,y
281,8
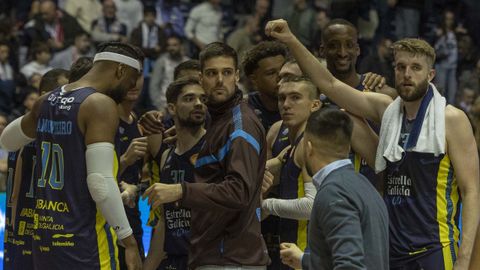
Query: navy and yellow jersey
x,y
423,202
291,187
177,169
154,168
126,132
281,141
19,248
267,118
9,239
69,231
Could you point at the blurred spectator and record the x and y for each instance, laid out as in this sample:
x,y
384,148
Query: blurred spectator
x,y
468,54
33,83
322,20
245,37
350,10
7,82
407,17
263,15
41,57
3,155
447,57
301,19
471,9
29,99
53,25
162,74
85,11
108,27
466,100
149,36
52,80
170,17
80,48
204,24
471,78
80,68
380,61
9,37
130,12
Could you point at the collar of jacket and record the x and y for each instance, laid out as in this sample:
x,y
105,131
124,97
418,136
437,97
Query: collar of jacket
x,y
218,110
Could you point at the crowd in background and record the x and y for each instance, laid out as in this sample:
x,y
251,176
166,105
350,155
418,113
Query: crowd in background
x,y
36,36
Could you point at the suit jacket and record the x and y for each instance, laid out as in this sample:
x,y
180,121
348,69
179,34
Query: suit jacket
x,y
349,224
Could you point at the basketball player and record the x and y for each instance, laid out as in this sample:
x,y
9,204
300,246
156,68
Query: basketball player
x,y
297,99
186,103
74,129
225,198
261,65
131,148
423,187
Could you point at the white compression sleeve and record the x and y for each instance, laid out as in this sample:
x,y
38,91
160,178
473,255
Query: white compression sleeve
x,y
13,137
103,187
299,209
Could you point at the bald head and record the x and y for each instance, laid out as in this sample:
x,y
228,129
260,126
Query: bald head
x,y
48,10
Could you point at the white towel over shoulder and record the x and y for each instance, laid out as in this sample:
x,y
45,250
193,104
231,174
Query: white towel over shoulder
x,y
430,140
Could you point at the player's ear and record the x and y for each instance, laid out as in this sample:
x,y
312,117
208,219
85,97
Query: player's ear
x,y
171,109
120,71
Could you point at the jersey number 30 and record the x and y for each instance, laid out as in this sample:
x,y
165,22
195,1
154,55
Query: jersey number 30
x,y
52,166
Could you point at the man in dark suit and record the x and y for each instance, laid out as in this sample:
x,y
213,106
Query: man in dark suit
x,y
349,221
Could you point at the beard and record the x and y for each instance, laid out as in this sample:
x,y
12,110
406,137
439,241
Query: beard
x,y
118,94
418,92
191,122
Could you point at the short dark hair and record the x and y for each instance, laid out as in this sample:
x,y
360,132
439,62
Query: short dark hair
x,y
217,49
39,47
175,88
82,33
122,48
187,65
313,89
149,9
338,22
50,80
331,125
80,68
261,51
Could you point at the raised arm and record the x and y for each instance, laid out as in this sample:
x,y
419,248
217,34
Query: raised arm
x,y
367,105
364,140
462,150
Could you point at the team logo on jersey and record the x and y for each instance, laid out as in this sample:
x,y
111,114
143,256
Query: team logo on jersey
x,y
399,187
193,159
64,102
